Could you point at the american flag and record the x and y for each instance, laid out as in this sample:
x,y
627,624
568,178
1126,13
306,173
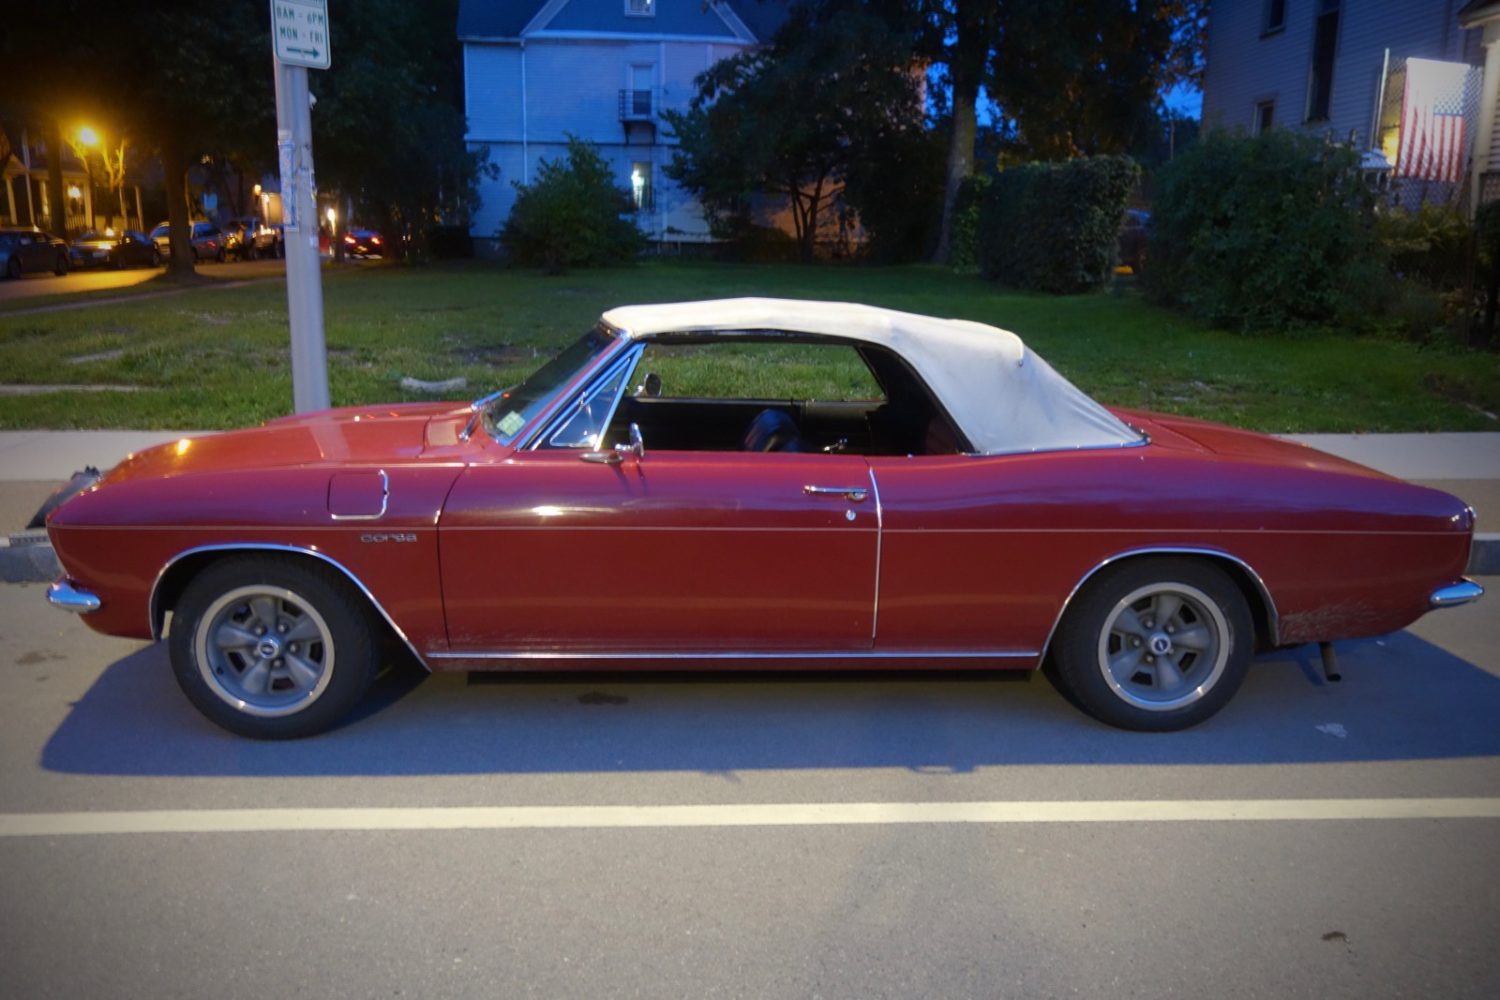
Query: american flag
x,y
1432,121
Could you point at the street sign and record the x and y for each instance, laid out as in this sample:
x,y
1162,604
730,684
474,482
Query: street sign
x,y
299,31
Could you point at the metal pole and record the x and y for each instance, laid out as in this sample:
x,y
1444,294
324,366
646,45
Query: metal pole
x,y
299,213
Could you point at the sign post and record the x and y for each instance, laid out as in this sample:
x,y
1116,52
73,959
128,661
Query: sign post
x,y
299,37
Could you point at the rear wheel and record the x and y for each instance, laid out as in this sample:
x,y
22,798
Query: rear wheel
x,y
1154,644
272,649
13,268
60,265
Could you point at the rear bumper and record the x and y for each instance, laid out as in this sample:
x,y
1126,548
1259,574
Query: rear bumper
x,y
1455,594
63,594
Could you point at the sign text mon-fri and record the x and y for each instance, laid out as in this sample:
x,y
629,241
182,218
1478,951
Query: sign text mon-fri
x,y
299,30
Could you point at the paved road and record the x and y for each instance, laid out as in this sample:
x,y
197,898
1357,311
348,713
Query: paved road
x,y
102,279
587,902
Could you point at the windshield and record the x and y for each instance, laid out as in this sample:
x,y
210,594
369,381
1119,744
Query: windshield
x,y
509,411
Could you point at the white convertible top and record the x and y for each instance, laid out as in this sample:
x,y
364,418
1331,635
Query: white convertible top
x,y
1004,398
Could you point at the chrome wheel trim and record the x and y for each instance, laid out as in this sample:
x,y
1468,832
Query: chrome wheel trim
x,y
1164,646
264,650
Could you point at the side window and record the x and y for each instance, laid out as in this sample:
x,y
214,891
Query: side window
x,y
765,371
585,427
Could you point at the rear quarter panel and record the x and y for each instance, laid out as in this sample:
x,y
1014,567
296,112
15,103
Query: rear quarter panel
x,y
983,552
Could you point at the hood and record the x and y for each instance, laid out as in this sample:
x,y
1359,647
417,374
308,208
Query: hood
x,y
356,435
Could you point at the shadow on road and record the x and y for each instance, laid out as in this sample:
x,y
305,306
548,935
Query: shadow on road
x,y
1402,698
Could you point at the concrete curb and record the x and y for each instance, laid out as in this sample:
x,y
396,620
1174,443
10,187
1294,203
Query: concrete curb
x,y
35,562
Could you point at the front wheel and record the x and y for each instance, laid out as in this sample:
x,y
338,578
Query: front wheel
x,y
1154,644
272,649
60,266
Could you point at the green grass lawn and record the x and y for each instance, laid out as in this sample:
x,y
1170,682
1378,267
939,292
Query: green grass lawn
x,y
218,357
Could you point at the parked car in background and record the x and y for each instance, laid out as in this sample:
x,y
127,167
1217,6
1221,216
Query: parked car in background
x,y
207,239
364,243
128,249
239,237
1132,242
269,241
31,250
958,504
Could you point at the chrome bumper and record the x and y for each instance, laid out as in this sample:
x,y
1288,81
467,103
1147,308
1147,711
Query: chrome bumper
x,y
1455,594
63,594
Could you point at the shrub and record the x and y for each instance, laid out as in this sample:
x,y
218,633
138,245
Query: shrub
x,y
963,250
1429,245
1052,226
897,193
1264,233
573,216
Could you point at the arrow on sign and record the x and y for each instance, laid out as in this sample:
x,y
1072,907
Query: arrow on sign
x,y
304,52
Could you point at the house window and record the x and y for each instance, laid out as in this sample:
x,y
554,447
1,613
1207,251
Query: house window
x,y
1325,43
640,8
640,185
1274,17
1265,116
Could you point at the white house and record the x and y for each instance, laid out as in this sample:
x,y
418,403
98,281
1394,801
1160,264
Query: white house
x,y
538,71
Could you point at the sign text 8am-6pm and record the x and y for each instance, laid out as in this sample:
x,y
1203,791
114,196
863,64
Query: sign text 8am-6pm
x,y
299,30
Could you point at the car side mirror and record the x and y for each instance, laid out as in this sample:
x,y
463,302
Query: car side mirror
x,y
650,386
615,456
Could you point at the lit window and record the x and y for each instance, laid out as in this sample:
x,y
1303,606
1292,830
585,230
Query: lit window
x,y
640,184
640,8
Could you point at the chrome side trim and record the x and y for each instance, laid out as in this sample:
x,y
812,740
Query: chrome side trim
x,y
385,500
838,654
62,594
879,540
157,617
1456,594
1272,615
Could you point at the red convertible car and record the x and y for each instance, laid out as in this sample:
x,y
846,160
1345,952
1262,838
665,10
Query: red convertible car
x,y
932,494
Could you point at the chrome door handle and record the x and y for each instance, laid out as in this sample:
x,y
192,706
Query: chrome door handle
x,y
854,494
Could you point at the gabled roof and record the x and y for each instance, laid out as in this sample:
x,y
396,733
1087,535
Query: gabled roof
x,y
1004,398
508,19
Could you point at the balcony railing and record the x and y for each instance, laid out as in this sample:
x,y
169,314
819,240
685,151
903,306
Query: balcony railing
x,y
637,105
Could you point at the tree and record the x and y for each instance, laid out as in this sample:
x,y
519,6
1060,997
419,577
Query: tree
x,y
572,216
835,87
1066,79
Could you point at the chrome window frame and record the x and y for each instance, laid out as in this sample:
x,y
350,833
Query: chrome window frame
x,y
552,422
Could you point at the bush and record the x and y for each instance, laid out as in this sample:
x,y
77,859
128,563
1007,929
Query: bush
x,y
573,216
1264,233
897,192
963,249
1430,245
1052,226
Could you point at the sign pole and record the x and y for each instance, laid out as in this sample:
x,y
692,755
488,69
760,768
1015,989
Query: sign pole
x,y
299,36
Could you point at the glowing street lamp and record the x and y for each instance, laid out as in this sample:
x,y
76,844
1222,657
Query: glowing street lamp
x,y
88,136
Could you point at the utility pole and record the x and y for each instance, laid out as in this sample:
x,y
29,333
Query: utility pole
x,y
299,36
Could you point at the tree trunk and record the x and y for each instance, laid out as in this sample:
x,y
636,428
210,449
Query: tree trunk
x,y
960,161
58,223
174,169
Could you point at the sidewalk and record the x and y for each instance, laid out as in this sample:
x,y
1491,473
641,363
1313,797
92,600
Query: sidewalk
x,y
34,463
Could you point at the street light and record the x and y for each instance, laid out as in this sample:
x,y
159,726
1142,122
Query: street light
x,y
88,136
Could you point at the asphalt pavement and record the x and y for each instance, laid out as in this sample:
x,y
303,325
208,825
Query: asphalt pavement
x,y
866,835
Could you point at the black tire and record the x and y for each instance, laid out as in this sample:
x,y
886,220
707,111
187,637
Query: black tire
x,y
60,266
1115,660
156,258
254,689
13,268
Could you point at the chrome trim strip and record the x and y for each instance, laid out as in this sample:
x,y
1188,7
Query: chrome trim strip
x,y
840,654
157,617
385,500
62,594
879,540
1456,594
1272,614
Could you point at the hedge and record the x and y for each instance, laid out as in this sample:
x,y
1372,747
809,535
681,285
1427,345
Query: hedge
x,y
1265,233
1052,227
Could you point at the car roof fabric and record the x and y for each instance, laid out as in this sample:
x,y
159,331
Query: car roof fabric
x,y
1005,398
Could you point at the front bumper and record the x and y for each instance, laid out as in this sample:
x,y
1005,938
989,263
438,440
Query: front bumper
x,y
1455,594
63,594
